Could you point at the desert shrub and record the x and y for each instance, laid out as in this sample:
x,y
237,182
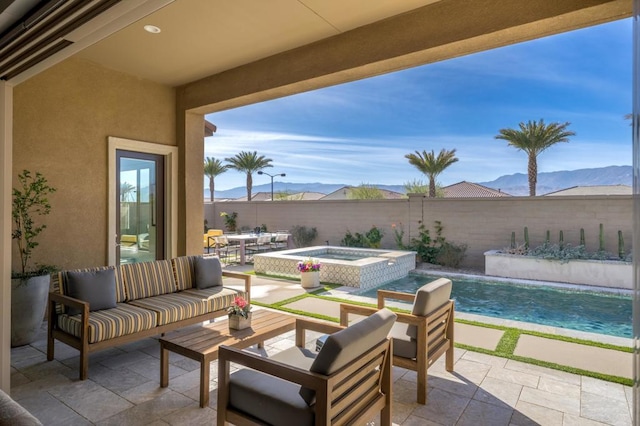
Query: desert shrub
x,y
303,236
451,254
370,239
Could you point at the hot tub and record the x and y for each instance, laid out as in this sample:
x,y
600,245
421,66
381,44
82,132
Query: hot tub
x,y
350,266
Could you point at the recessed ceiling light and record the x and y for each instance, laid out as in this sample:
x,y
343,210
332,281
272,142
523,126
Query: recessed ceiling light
x,y
151,29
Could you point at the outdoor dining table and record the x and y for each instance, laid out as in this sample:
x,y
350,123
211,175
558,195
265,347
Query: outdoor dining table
x,y
244,238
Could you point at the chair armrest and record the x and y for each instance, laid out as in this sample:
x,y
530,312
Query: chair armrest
x,y
227,354
68,301
302,325
346,309
241,276
389,294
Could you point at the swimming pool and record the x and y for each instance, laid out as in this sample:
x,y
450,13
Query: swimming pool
x,y
595,312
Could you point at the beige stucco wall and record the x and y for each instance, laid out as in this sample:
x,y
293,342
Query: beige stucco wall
x,y
482,224
62,119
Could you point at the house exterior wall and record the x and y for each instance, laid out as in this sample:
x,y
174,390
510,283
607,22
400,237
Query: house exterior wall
x,y
62,118
482,224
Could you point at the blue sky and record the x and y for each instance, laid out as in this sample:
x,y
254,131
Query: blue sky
x,y
359,132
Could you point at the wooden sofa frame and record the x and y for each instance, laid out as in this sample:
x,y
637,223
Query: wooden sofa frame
x,y
342,398
82,343
435,335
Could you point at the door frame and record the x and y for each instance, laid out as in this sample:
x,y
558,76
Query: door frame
x,y
170,154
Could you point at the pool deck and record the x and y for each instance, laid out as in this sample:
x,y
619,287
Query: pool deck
x,y
123,385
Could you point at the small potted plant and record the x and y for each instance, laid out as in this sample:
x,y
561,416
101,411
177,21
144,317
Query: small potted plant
x,y
29,286
239,314
309,273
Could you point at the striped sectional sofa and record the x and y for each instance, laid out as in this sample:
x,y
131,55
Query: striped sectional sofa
x,y
150,298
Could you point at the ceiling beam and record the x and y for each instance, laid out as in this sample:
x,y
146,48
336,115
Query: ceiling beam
x,y
432,33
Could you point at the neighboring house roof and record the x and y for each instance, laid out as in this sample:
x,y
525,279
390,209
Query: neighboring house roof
x,y
466,189
343,194
594,190
305,196
258,196
209,128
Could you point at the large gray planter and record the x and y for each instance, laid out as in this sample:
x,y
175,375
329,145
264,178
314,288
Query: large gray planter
x,y
602,273
28,306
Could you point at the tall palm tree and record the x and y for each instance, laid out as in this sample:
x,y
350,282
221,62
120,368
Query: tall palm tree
x,y
249,162
212,168
432,166
533,138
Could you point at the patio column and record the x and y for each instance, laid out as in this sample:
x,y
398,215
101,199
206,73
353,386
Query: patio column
x,y
6,172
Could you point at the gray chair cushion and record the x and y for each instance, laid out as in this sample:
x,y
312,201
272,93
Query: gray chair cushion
x,y
404,345
347,345
430,297
208,272
96,287
296,357
270,399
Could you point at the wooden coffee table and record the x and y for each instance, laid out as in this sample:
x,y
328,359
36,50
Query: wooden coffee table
x,y
201,344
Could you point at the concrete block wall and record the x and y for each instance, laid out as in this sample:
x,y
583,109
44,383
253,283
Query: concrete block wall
x,y
480,223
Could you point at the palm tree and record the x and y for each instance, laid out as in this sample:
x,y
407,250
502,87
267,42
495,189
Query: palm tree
x,y
432,166
533,138
249,162
212,168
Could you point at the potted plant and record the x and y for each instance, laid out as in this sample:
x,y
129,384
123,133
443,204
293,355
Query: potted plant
x,y
239,314
30,285
230,220
309,273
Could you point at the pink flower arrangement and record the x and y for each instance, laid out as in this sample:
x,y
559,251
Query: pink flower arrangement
x,y
309,265
240,307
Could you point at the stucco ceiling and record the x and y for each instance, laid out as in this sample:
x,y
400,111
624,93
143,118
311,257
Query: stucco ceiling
x,y
203,37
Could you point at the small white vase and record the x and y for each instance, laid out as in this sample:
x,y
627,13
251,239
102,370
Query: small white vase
x,y
310,279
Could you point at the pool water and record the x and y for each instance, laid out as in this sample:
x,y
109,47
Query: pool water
x,y
595,312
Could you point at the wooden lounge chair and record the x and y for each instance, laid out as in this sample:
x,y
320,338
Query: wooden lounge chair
x,y
421,337
347,382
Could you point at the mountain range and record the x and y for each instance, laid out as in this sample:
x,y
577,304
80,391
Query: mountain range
x,y
515,184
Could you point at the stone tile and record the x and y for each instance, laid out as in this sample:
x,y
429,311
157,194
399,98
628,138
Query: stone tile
x,y
470,371
316,306
149,411
563,403
443,407
404,392
25,356
590,358
44,368
118,380
526,414
558,375
481,413
50,382
628,391
191,415
607,389
52,412
493,361
421,421
18,379
571,420
150,368
127,358
185,382
143,393
453,383
606,410
479,337
560,388
498,392
401,412
91,400
512,376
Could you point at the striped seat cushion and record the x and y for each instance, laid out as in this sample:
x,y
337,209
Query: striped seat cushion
x,y
217,297
110,323
148,279
184,271
173,307
59,284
